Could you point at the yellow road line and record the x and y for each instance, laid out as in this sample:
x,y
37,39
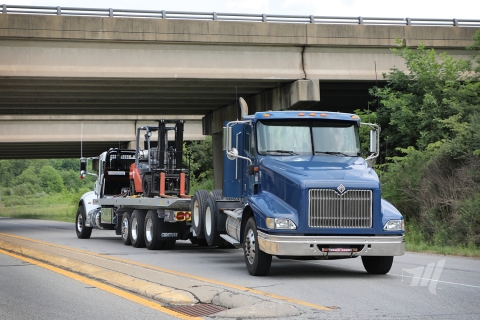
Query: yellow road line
x,y
177,273
101,286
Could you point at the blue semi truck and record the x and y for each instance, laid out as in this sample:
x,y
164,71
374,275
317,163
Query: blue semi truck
x,y
295,187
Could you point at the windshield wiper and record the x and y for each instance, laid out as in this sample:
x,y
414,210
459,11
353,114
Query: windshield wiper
x,y
283,151
336,153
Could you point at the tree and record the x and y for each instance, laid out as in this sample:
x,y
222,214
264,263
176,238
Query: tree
x,y
51,180
199,155
430,118
432,102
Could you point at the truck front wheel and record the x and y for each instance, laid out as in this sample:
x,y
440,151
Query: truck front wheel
x,y
137,224
258,262
125,228
377,265
82,231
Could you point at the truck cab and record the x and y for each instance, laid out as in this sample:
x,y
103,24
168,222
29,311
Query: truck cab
x,y
306,191
111,168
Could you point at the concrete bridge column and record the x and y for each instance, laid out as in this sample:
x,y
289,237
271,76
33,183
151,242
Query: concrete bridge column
x,y
298,95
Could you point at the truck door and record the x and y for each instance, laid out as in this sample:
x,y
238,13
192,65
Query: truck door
x,y
233,169
98,188
249,151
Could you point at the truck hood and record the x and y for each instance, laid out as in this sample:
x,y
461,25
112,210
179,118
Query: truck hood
x,y
320,171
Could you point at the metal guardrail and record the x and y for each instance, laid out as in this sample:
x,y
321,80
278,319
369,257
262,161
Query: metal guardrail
x,y
216,16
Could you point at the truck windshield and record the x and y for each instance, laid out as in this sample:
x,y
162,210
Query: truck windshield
x,y
284,137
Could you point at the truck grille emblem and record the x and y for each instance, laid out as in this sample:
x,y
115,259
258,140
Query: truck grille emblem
x,y
341,188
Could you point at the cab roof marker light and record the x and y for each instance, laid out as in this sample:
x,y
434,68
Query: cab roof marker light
x,y
354,117
323,114
312,114
266,115
301,114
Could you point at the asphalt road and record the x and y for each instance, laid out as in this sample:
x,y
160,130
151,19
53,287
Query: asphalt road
x,y
419,286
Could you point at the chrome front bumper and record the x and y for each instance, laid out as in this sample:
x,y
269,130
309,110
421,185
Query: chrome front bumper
x,y
312,245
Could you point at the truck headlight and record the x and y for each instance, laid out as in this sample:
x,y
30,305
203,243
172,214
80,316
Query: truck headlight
x,y
280,223
394,225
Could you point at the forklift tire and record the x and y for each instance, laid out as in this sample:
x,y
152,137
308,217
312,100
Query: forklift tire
x,y
199,201
126,231
258,262
131,191
147,185
82,231
137,226
211,233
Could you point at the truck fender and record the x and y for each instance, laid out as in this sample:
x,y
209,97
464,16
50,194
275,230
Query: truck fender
x,y
86,200
267,205
389,212
247,213
136,176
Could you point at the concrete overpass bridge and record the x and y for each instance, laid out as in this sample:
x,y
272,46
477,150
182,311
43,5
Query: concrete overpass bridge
x,y
114,69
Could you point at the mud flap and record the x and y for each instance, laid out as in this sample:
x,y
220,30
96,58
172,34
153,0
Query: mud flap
x,y
170,231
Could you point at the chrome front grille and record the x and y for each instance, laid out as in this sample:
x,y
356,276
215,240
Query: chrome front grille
x,y
329,209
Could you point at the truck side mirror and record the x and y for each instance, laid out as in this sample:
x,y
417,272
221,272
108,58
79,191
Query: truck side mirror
x,y
227,138
95,165
373,141
83,165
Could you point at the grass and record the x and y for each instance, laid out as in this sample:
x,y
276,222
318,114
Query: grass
x,y
64,212
467,251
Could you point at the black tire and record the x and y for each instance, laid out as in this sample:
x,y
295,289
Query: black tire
x,y
210,230
152,240
137,228
126,231
218,194
377,265
147,185
82,231
151,231
131,190
258,262
199,201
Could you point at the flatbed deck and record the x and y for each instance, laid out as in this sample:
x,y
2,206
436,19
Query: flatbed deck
x,y
146,203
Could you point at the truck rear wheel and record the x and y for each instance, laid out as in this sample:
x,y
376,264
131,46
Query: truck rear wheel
x,y
125,228
258,262
211,233
152,227
199,201
217,193
80,219
377,265
137,225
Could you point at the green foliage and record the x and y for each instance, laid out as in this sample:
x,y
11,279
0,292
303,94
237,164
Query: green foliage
x,y
40,183
431,102
199,156
51,180
430,113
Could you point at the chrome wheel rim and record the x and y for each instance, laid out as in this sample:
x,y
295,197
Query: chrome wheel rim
x,y
250,246
196,214
149,230
208,221
125,229
134,229
80,223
